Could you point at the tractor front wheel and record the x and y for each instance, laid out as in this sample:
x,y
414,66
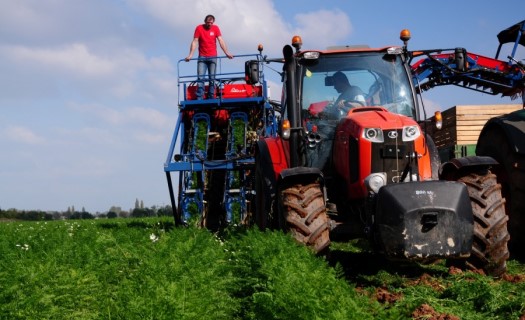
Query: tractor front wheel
x,y
304,210
489,246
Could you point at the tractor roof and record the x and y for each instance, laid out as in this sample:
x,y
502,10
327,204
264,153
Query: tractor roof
x,y
349,49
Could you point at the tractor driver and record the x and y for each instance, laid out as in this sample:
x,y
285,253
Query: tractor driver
x,y
349,97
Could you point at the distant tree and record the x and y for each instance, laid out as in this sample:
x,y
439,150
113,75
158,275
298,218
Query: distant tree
x,y
123,214
165,211
142,212
115,209
9,214
112,215
81,215
138,213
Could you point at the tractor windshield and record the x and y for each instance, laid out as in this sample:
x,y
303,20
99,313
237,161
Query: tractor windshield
x,y
361,79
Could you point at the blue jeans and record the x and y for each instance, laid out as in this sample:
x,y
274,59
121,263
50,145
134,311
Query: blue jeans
x,y
203,64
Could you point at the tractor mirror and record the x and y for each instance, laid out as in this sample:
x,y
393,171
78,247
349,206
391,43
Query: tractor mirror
x,y
251,71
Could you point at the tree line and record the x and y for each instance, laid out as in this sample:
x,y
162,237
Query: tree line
x,y
114,212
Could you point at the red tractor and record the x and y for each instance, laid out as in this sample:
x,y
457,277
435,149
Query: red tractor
x,y
352,161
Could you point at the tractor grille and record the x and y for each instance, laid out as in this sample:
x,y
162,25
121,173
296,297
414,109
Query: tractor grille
x,y
392,155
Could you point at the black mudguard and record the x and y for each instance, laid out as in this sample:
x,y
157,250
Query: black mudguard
x,y
301,175
458,167
513,124
424,220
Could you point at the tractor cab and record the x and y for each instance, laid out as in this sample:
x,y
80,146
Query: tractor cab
x,y
347,94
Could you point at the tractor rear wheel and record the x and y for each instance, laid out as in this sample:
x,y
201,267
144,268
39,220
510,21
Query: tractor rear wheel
x,y
265,204
305,214
489,246
511,176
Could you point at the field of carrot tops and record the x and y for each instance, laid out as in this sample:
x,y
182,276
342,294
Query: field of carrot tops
x,y
147,269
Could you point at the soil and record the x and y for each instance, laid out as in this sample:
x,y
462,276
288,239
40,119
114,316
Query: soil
x,y
426,312
429,281
382,295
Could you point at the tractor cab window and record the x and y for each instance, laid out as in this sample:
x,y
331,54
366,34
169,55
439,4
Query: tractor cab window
x,y
335,83
339,82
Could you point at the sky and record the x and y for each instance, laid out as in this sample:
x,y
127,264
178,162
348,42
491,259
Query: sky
x,y
88,88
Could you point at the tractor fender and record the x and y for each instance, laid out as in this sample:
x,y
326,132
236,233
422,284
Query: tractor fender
x,y
264,160
303,175
273,153
513,125
457,167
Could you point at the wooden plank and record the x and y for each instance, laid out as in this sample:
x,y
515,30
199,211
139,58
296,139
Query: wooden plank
x,y
485,117
470,122
488,106
462,124
473,129
468,141
486,111
492,109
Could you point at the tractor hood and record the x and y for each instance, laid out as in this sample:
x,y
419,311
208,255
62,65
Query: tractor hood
x,y
371,140
373,117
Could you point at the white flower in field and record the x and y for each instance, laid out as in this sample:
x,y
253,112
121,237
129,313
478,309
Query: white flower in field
x,y
24,247
153,237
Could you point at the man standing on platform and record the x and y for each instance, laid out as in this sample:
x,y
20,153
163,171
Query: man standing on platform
x,y
206,36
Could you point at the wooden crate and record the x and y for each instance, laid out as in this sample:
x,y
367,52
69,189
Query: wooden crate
x,y
462,124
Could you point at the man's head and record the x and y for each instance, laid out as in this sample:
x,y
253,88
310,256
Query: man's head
x,y
340,81
208,21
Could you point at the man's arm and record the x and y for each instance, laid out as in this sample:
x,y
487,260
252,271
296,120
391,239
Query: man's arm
x,y
223,47
193,45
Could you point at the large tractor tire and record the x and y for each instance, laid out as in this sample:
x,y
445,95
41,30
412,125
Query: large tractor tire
x,y
265,206
489,246
511,176
305,214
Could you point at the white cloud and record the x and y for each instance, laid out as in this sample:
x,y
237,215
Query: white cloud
x,y
75,58
245,24
151,138
135,116
147,116
323,28
23,134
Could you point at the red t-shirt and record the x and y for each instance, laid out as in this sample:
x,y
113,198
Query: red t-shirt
x,y
207,40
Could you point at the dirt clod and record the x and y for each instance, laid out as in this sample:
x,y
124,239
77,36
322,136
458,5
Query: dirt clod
x,y
426,312
382,295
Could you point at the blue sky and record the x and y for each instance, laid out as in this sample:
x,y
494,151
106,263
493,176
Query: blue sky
x,y
88,88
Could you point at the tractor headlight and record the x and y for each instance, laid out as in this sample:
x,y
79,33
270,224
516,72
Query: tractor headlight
x,y
411,133
375,181
311,55
373,135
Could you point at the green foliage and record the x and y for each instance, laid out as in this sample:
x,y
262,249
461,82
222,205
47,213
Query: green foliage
x,y
239,134
278,279
146,269
201,135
